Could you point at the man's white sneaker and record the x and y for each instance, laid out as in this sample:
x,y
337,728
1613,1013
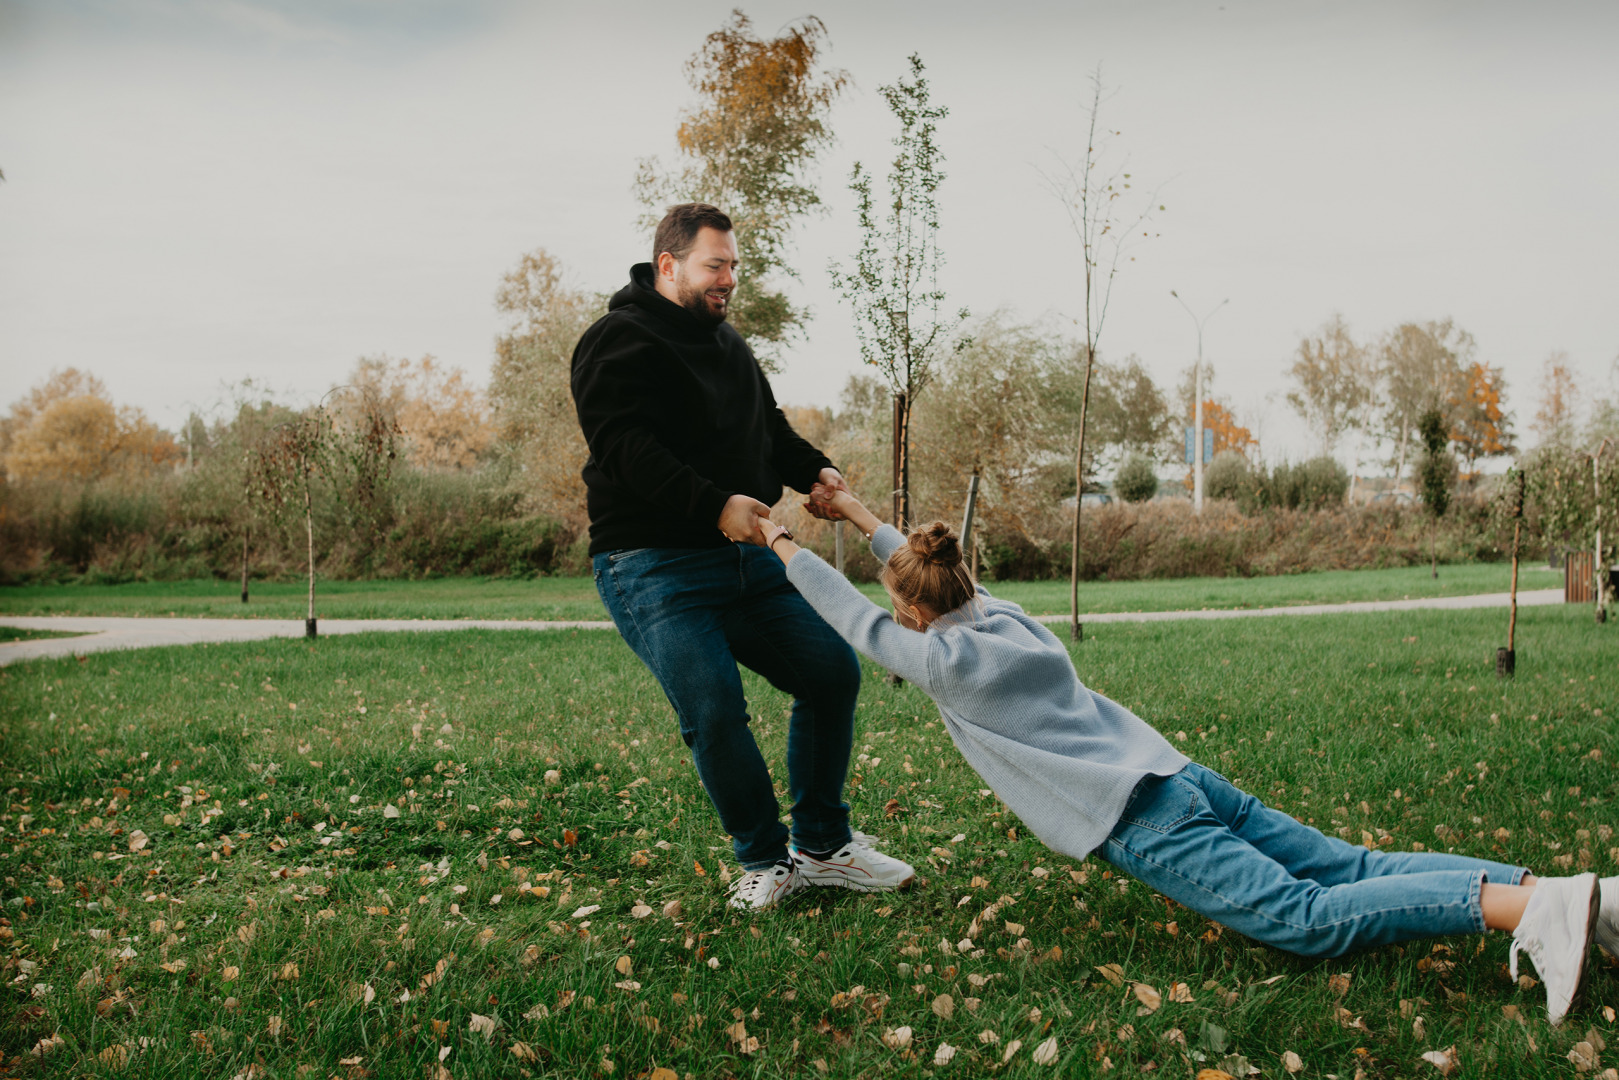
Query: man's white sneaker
x,y
1608,920
856,865
1555,931
758,889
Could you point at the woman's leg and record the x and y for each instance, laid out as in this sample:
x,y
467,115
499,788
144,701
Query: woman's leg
x,y
1308,853
1173,840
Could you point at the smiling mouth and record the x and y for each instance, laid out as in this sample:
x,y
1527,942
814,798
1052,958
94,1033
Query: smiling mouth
x,y
719,296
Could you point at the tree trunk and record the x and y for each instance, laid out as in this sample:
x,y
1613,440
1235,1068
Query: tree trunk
x,y
244,566
1399,468
309,529
902,461
1433,547
1075,631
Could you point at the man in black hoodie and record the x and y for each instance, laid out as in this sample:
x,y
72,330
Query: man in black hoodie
x,y
688,450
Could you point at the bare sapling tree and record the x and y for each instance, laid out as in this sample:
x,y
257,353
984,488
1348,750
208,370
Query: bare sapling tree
x,y
285,467
893,286
1095,192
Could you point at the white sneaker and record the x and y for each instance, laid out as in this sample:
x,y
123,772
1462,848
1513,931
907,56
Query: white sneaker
x,y
759,889
857,865
1607,933
1555,931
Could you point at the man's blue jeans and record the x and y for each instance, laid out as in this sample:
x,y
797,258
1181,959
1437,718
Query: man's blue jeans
x,y
693,614
1215,849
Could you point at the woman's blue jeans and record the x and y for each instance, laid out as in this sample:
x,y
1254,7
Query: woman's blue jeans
x,y
1213,848
693,614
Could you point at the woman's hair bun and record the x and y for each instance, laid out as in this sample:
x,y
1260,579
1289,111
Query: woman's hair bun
x,y
936,543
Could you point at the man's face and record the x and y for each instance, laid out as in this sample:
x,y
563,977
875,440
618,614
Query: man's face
x,y
703,281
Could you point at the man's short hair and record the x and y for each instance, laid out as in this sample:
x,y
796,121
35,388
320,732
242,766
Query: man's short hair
x,y
677,232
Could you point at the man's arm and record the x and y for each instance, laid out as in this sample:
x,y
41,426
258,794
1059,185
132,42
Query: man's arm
x,y
618,414
795,461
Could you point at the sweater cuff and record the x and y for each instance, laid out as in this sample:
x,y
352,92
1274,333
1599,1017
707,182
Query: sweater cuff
x,y
712,503
885,541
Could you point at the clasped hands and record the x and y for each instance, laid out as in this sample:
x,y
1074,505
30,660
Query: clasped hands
x,y
745,520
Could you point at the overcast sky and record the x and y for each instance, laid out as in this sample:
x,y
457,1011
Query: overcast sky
x,y
199,192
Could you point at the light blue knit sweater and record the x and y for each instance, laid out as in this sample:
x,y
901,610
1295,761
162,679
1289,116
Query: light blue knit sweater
x,y
1062,757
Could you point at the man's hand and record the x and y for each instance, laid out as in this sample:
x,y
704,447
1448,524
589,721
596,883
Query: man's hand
x,y
741,519
832,479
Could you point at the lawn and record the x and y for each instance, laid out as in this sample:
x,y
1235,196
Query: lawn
x,y
371,855
17,633
575,598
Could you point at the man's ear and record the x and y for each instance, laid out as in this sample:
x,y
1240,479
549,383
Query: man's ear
x,y
666,264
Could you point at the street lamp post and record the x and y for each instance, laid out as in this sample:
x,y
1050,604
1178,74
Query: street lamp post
x,y
1197,404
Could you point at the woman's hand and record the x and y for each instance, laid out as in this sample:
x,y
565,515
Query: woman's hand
x,y
839,504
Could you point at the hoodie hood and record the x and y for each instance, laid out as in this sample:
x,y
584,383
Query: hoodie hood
x,y
642,293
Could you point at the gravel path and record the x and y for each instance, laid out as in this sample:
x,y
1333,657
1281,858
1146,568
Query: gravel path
x,y
104,634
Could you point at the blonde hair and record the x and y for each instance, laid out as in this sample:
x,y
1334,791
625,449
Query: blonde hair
x,y
928,570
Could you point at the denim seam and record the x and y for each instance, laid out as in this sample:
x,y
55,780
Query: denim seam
x,y
1472,904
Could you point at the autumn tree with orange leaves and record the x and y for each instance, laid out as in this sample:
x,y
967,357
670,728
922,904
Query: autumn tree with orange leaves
x,y
1479,427
749,146
68,429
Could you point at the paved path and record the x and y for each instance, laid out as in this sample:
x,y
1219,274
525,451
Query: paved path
x,y
103,634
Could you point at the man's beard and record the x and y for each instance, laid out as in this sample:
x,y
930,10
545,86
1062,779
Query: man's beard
x,y
696,301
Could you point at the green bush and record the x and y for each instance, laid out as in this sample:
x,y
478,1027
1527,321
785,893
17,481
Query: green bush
x,y
1136,480
1228,476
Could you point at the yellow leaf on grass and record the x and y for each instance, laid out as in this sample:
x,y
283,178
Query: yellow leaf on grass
x,y
944,1006
288,971
1292,1062
623,965
1148,996
1113,973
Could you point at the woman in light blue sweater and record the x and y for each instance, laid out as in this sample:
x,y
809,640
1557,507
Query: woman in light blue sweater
x,y
1089,776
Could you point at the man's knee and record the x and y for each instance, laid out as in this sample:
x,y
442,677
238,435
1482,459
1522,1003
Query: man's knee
x,y
840,678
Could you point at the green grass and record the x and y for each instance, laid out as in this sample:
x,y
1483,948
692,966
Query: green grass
x,y
17,633
575,598
236,761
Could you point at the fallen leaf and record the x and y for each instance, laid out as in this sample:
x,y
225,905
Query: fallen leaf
x,y
640,911
1180,993
1113,973
288,972
897,1038
1338,984
628,984
622,965
1583,1056
1046,1052
1214,1074
482,1025
230,972
1011,1050
1292,1062
944,1006
1443,1060
1148,996
137,840
390,811
943,1054
586,911
672,910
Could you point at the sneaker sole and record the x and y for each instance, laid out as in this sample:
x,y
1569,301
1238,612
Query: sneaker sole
x,y
839,881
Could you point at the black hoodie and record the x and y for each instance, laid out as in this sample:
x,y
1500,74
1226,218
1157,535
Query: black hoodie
x,y
678,418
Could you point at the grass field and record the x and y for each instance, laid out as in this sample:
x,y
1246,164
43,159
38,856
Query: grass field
x,y
14,633
485,854
575,598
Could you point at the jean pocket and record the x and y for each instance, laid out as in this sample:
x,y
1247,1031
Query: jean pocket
x,y
616,556
1160,803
